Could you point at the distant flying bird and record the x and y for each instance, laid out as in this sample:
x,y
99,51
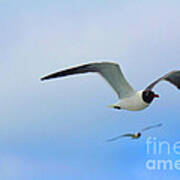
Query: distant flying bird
x,y
136,135
130,99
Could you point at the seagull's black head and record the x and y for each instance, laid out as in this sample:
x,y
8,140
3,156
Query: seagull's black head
x,y
148,96
138,134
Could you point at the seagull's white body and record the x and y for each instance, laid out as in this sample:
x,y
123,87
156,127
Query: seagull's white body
x,y
132,103
130,99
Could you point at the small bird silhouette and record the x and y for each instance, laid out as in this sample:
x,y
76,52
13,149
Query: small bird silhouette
x,y
136,135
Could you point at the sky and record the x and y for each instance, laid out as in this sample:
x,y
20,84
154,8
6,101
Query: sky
x,y
58,129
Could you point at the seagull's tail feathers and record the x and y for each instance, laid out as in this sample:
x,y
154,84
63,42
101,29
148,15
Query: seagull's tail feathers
x,y
110,106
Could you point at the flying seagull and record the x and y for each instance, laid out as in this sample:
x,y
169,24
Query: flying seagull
x,y
136,135
130,99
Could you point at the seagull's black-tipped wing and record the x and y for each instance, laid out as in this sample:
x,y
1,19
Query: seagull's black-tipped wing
x,y
118,137
172,77
152,127
76,70
109,71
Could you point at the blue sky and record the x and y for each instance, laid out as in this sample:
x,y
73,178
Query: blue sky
x,y
58,130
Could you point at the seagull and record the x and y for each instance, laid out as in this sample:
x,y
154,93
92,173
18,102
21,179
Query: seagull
x,y
136,135
129,98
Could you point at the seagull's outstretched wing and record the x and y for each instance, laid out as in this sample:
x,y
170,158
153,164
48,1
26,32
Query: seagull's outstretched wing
x,y
173,77
109,71
151,127
118,137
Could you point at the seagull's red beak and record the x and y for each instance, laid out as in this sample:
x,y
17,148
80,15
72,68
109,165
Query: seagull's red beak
x,y
156,96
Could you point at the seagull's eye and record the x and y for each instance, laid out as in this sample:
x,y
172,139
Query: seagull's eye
x,y
147,93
